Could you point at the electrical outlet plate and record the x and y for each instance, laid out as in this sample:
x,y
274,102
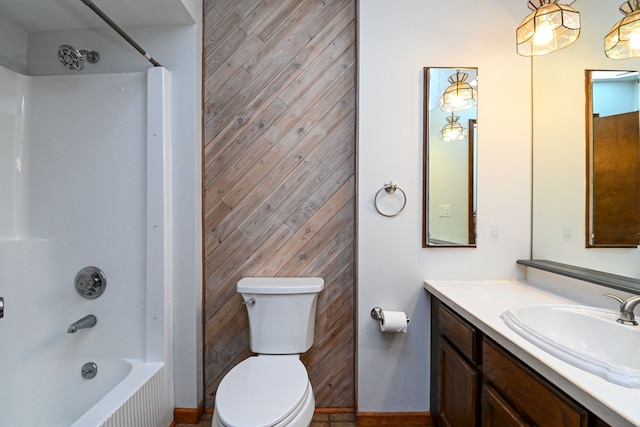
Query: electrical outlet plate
x,y
444,210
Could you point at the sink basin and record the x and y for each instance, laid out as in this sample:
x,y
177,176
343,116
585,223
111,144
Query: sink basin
x,y
586,337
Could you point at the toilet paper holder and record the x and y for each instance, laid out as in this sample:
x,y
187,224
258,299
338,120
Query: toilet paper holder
x,y
376,314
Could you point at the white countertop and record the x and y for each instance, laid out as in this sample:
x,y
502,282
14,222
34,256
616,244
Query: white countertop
x,y
482,302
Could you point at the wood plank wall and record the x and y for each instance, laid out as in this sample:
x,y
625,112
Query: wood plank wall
x,y
279,174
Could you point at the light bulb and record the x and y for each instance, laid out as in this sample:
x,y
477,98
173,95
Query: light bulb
x,y
543,35
450,135
634,40
456,102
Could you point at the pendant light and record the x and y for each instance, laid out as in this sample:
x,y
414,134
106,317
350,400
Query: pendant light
x,y
460,95
453,131
623,40
551,26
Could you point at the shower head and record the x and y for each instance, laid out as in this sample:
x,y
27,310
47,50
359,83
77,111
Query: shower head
x,y
73,58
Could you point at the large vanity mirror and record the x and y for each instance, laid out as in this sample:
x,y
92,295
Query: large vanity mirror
x,y
450,157
564,216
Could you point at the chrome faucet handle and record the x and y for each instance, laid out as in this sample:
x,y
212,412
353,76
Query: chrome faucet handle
x,y
615,297
626,309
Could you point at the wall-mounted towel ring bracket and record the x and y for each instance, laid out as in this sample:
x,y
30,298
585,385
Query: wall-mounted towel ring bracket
x,y
390,188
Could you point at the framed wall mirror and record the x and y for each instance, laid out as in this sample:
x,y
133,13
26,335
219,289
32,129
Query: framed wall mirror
x,y
450,133
613,158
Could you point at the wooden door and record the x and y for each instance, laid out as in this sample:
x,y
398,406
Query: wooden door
x,y
616,180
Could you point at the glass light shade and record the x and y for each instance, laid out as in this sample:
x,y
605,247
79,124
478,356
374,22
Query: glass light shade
x,y
551,26
453,131
460,95
623,40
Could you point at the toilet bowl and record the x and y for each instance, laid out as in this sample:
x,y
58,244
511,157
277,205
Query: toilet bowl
x,y
272,389
265,391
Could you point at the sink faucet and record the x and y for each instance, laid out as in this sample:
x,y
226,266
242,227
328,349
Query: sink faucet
x,y
86,322
626,308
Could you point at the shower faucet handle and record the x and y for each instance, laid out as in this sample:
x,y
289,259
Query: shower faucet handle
x,y
1,307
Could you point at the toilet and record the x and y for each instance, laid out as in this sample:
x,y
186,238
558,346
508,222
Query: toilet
x,y
272,389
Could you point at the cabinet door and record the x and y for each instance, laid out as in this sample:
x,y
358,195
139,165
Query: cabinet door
x,y
459,389
496,412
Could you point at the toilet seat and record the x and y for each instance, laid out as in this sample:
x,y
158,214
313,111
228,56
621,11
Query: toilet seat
x,y
263,391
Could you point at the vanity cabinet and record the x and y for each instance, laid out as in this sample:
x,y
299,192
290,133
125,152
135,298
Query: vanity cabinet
x,y
475,382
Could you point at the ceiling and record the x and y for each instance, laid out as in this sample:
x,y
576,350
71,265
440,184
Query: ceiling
x,y
48,15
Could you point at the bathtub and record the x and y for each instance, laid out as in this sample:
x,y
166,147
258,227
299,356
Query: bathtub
x,y
137,400
88,184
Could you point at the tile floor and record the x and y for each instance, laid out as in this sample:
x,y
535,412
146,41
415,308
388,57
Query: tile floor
x,y
333,420
319,420
204,422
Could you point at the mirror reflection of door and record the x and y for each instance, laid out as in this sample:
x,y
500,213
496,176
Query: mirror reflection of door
x,y
613,134
450,157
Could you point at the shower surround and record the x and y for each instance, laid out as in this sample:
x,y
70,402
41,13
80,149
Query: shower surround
x,y
85,174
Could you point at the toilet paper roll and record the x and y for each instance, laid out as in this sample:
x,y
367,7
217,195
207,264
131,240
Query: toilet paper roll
x,y
393,321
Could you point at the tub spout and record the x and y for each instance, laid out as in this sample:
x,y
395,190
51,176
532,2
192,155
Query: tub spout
x,y
86,322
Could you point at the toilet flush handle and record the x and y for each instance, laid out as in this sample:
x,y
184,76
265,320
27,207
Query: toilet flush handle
x,y
250,302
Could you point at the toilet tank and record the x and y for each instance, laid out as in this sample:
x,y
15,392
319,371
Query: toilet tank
x,y
282,319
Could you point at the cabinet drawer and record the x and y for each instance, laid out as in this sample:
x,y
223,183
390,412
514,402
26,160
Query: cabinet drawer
x,y
459,332
527,392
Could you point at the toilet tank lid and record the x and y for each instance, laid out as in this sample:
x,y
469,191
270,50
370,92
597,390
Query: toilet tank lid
x,y
280,285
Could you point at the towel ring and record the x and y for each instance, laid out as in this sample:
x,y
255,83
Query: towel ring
x,y
390,187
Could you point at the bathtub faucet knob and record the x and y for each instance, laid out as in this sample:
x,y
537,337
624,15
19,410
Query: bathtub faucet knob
x,y
90,282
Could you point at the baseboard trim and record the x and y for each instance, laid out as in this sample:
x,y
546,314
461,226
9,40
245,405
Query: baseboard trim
x,y
394,419
188,415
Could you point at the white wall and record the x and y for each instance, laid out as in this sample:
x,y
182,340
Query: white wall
x,y
13,91
396,40
13,46
188,332
614,97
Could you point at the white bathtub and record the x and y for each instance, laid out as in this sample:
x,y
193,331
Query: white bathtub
x,y
140,400
88,186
